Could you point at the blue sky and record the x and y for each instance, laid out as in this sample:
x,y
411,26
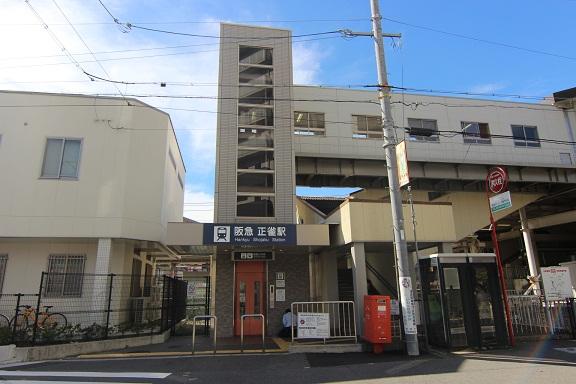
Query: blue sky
x,y
425,59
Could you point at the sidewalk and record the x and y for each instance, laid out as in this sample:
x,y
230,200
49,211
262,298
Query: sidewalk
x,y
182,346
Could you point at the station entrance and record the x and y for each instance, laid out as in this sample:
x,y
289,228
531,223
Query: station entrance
x,y
250,296
463,301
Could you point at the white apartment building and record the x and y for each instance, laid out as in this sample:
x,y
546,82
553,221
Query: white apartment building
x,y
88,186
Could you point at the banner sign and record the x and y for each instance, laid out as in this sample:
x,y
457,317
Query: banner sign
x,y
557,283
313,325
402,163
407,303
500,202
250,234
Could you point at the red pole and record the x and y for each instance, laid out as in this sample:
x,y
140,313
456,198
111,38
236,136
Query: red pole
x,y
500,271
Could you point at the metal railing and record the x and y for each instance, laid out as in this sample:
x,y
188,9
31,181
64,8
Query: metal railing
x,y
532,315
342,318
71,307
242,318
208,317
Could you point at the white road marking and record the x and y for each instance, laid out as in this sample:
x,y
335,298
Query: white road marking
x,y
405,366
127,375
60,382
567,350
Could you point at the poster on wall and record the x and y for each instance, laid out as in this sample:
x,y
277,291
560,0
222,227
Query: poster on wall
x,y
557,283
313,325
280,294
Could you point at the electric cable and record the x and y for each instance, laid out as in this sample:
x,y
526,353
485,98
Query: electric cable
x,y
87,47
481,40
440,132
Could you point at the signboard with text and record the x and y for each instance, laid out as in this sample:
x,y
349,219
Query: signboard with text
x,y
497,180
557,283
402,163
313,325
251,256
250,234
500,202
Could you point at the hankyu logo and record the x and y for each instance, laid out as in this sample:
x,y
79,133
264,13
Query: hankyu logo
x,y
222,234
497,180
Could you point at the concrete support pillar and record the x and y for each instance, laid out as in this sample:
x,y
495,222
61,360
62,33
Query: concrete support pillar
x,y
313,275
445,248
101,282
531,253
360,283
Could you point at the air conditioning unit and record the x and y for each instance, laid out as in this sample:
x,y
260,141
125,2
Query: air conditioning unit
x,y
137,309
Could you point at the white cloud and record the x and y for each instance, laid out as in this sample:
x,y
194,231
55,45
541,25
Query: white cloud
x,y
199,206
32,60
306,62
22,68
487,88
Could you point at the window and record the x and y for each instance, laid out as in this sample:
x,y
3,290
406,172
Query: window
x,y
255,75
255,116
255,159
61,158
476,133
256,182
255,137
525,136
423,130
255,206
367,127
65,276
309,123
255,95
255,55
3,261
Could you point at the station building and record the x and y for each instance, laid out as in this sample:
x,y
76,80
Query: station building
x,y
272,248
71,208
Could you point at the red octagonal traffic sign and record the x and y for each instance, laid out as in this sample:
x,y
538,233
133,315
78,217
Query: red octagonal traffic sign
x,y
497,180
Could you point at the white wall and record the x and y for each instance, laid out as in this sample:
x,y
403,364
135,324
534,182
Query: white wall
x,y
126,188
449,113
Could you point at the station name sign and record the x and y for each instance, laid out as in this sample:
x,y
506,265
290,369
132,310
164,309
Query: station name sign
x,y
250,234
249,256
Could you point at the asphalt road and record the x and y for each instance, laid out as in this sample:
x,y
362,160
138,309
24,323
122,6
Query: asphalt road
x,y
547,362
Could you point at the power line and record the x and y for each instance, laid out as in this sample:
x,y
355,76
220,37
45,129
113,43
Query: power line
x,y
87,47
481,40
439,132
357,19
129,26
152,56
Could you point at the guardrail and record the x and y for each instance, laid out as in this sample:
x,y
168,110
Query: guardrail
x,y
194,330
342,318
535,316
242,318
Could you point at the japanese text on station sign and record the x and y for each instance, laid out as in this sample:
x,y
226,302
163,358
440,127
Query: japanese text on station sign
x,y
250,234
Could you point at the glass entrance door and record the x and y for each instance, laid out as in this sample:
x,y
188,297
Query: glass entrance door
x,y
454,307
250,297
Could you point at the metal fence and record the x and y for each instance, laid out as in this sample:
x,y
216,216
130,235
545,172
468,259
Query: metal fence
x,y
341,317
82,307
533,315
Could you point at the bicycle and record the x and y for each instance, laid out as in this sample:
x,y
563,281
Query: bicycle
x,y
4,322
45,320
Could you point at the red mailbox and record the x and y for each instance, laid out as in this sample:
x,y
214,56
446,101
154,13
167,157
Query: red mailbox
x,y
377,321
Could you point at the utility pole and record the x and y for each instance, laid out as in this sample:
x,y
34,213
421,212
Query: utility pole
x,y
406,294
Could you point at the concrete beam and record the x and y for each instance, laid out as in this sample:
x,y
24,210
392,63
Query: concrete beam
x,y
551,220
